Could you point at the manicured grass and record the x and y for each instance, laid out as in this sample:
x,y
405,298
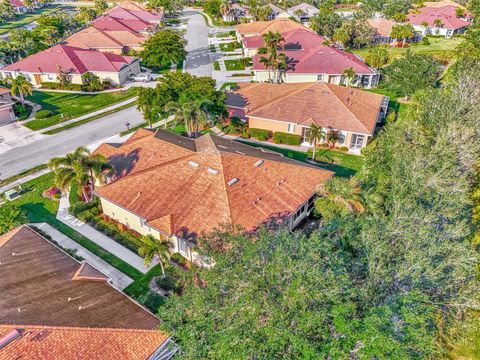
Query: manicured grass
x,y
345,165
87,120
439,46
24,19
230,84
229,47
216,66
40,209
72,105
140,291
235,64
226,34
393,104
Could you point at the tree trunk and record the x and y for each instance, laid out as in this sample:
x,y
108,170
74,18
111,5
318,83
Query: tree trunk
x,y
84,194
160,262
314,149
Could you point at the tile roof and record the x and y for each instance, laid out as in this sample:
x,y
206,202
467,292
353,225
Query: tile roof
x,y
38,287
327,105
129,12
72,59
275,9
307,9
69,343
294,39
382,26
263,27
319,60
91,38
106,22
180,186
17,3
4,90
442,3
444,13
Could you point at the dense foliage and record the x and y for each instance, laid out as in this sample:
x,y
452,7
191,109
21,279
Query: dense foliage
x,y
387,278
164,48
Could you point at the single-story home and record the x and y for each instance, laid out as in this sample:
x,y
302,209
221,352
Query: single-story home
x,y
351,114
294,39
319,64
303,12
439,20
107,22
7,115
135,11
383,28
178,188
57,307
256,28
236,13
116,42
20,7
44,66
277,13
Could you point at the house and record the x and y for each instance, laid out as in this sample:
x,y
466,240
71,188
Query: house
x,y
20,7
44,66
116,42
439,19
178,188
236,13
7,115
294,39
256,28
303,12
134,11
277,13
383,28
56,307
351,114
321,63
107,22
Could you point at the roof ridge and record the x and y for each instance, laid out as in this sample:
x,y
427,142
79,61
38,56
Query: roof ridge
x,y
279,97
104,32
225,192
84,328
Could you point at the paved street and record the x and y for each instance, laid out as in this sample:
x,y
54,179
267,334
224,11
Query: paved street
x,y
198,59
39,152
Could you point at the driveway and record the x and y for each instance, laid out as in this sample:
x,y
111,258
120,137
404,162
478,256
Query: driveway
x,y
198,60
35,153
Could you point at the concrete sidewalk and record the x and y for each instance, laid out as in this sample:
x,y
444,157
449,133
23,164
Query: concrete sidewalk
x,y
100,239
118,279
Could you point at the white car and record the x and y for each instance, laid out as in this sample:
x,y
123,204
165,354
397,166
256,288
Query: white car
x,y
145,77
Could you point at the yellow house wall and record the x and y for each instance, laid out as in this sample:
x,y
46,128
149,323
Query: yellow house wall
x,y
273,126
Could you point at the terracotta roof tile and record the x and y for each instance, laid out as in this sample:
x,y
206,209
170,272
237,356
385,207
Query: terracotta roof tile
x,y
307,9
106,22
263,27
91,38
133,12
68,343
444,13
382,26
325,104
195,195
294,39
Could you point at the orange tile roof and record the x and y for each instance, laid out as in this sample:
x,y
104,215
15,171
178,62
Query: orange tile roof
x,y
68,343
181,186
327,105
40,286
92,38
382,26
262,27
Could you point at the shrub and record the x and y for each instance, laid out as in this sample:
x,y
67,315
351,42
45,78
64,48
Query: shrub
x,y
343,148
58,86
166,283
178,259
79,207
43,114
286,138
260,134
425,41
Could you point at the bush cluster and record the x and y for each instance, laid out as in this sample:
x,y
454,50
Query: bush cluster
x,y
58,86
43,114
260,134
286,138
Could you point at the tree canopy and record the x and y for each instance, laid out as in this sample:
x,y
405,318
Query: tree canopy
x,y
164,48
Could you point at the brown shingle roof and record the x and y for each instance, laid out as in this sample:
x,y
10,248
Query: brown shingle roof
x,y
180,186
37,288
67,343
262,27
382,26
327,105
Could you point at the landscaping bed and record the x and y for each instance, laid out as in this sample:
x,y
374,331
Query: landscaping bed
x,y
234,64
229,47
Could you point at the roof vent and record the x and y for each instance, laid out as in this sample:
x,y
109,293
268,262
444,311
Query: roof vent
x,y
194,164
259,163
222,147
212,171
281,182
239,152
232,182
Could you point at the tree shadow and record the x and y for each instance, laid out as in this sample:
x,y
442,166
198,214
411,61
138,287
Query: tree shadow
x,y
123,164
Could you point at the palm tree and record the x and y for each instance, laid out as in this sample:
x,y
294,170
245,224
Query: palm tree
x,y
79,167
350,75
19,85
192,113
11,216
152,247
315,133
225,7
339,195
438,24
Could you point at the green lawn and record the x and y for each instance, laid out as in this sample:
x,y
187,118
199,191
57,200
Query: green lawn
x,y
24,19
235,64
216,66
72,105
439,46
345,164
40,209
226,34
229,47
139,290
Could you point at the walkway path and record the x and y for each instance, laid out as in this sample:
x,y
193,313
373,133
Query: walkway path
x,y
117,278
100,239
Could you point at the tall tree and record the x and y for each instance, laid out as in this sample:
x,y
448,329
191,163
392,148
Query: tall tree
x,y
100,6
315,134
339,196
164,48
7,11
151,248
192,113
11,216
377,56
19,85
350,75
402,31
225,7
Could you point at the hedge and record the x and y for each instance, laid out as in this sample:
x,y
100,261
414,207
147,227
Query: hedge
x,y
286,138
43,114
57,86
260,134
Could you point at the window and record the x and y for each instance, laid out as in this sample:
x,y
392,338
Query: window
x,y
320,77
357,141
291,128
341,138
182,247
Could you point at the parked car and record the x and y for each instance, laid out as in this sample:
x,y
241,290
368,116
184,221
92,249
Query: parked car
x,y
145,77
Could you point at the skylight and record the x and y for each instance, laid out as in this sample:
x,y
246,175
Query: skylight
x,y
232,182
